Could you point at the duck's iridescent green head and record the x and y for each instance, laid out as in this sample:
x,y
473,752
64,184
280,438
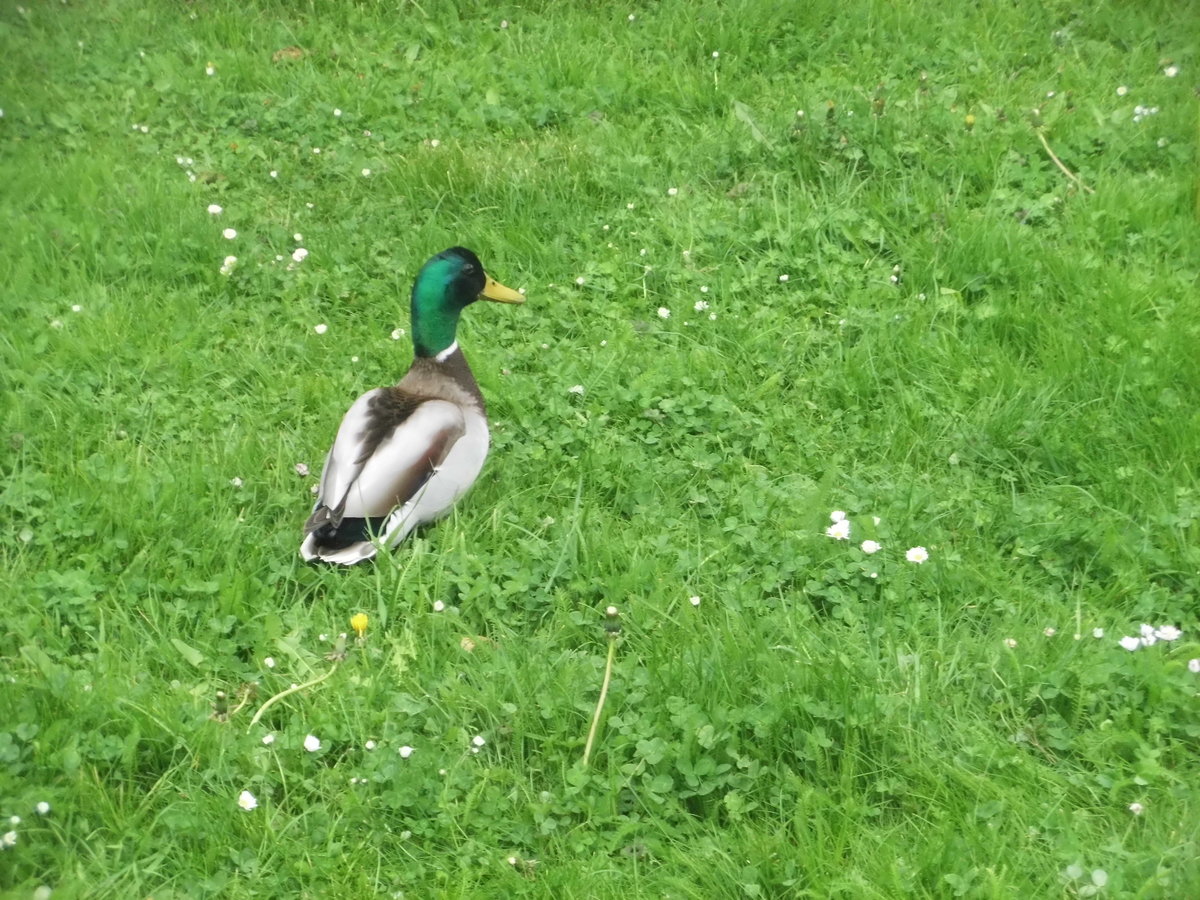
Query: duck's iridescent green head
x,y
445,286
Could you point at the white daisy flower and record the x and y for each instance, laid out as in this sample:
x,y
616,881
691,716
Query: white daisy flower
x,y
229,234
247,801
839,530
312,743
917,555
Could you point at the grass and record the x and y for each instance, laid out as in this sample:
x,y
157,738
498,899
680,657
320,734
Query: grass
x,y
997,363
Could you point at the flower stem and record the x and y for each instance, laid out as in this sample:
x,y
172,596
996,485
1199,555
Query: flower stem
x,y
612,652
293,689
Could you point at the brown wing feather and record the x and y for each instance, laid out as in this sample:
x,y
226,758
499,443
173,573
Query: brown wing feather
x,y
409,481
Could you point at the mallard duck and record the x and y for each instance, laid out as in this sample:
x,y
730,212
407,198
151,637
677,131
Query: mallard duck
x,y
404,454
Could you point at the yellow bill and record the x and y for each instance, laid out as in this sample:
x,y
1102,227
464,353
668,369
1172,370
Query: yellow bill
x,y
494,290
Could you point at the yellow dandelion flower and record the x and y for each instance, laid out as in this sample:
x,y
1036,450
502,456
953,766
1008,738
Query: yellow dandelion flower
x,y
359,623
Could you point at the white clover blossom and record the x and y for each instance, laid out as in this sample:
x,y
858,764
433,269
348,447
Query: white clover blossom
x,y
1129,643
268,739
870,546
1122,90
700,305
312,743
1050,631
575,389
783,279
837,515
43,808
337,112
210,69
321,328
580,280
1194,665
228,264
1010,643
214,209
247,801
269,662
397,333
438,606
1167,633
1136,808
405,752
695,601
671,192
301,469
229,234
370,745
1171,71
8,839
917,555
664,313
236,482
299,254
366,173
1097,632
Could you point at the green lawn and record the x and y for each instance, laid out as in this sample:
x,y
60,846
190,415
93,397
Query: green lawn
x,y
782,260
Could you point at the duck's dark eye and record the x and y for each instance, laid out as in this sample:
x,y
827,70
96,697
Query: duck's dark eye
x,y
468,269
